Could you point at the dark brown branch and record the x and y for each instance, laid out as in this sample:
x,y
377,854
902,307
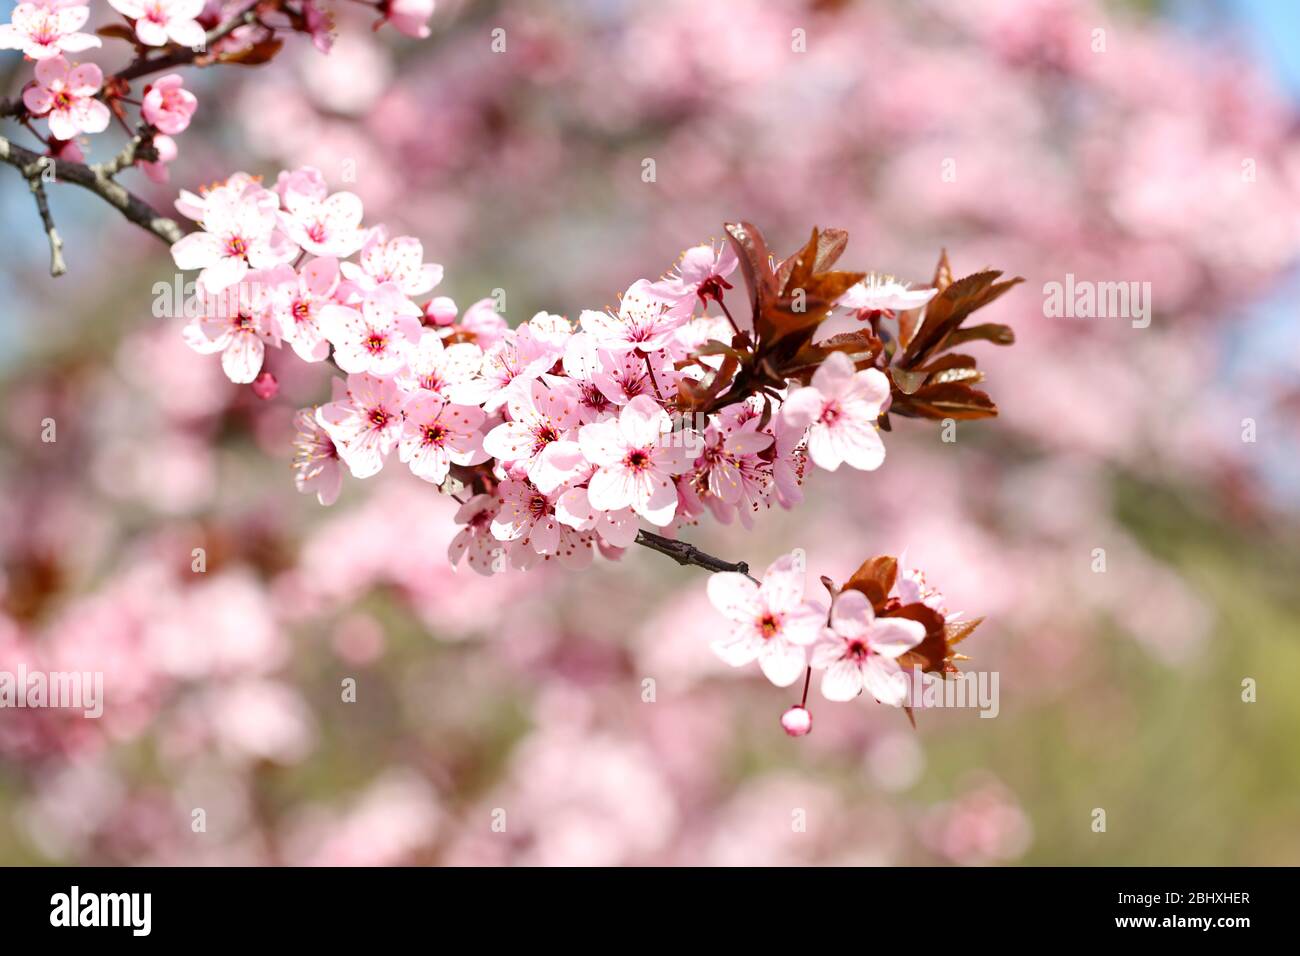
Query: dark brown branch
x,y
685,553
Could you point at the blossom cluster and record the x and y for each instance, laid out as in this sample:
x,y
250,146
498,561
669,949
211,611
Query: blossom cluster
x,y
881,623
568,436
75,99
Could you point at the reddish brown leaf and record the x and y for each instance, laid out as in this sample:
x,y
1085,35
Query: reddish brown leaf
x,y
958,631
945,400
988,332
263,51
875,578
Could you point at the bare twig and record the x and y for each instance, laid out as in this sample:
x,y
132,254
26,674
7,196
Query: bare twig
x,y
95,179
685,553
129,154
57,265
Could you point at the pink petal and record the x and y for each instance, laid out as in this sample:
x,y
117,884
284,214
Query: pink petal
x,y
782,663
734,595
852,614
842,681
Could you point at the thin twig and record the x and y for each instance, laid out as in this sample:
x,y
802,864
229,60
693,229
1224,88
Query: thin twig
x,y
57,265
129,154
685,553
95,180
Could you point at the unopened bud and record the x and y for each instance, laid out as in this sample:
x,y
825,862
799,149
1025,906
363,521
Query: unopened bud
x,y
441,310
265,386
796,721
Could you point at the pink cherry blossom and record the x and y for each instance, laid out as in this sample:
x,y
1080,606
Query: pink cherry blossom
x,y
43,32
449,371
299,303
366,424
168,105
239,233
377,337
911,588
237,323
636,457
884,294
65,96
399,260
520,354
859,650
437,434
529,524
475,542
773,624
644,321
622,376
539,435
316,467
728,462
528,514
616,528
329,226
159,22
308,181
700,273
410,17
840,409
483,321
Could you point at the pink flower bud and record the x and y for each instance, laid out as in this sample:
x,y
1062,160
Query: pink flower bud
x,y
796,721
265,386
441,310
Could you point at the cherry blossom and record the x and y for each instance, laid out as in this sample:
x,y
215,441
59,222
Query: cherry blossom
x,y
159,22
239,233
377,337
636,457
324,226
298,304
700,273
316,467
860,650
65,96
43,32
839,410
436,435
773,624
519,354
644,321
449,371
539,435
616,527
168,105
399,260
237,323
366,424
474,542
884,294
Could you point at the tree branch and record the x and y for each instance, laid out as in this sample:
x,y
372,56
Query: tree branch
x,y
185,56
98,180
685,553
57,265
